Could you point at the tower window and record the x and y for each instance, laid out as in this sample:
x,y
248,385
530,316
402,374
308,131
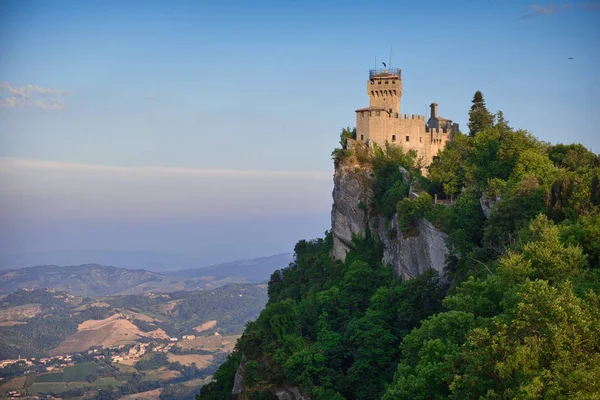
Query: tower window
x,y
379,82
420,140
372,82
362,137
407,138
393,82
386,82
393,138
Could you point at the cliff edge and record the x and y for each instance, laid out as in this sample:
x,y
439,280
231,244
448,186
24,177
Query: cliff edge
x,y
352,213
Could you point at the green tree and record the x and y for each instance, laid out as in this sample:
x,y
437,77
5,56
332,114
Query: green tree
x,y
479,116
544,346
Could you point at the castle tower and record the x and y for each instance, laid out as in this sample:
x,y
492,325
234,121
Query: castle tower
x,y
384,88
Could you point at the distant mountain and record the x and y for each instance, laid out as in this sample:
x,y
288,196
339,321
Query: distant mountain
x,y
85,280
255,270
148,260
99,280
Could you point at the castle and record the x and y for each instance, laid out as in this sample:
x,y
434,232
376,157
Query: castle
x,y
382,120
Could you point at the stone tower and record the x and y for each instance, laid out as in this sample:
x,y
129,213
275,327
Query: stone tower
x,y
385,90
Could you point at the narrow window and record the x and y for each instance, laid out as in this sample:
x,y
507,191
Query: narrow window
x,y
386,82
393,138
379,82
372,82
362,137
407,138
420,140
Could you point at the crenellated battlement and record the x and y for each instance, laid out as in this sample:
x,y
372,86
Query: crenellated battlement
x,y
412,116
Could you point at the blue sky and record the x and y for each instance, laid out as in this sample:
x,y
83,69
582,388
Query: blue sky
x,y
121,87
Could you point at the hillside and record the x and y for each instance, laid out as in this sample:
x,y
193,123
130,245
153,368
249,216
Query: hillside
x,y
99,280
39,322
513,311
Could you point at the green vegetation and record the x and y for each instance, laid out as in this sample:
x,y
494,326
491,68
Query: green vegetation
x,y
479,116
47,299
77,373
45,331
518,319
144,326
152,361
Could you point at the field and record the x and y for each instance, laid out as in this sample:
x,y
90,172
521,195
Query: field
x,y
150,395
201,360
206,326
198,382
16,383
12,323
20,313
109,332
76,373
211,343
56,387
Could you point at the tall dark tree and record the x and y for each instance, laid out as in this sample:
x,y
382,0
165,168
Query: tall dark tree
x,y
479,116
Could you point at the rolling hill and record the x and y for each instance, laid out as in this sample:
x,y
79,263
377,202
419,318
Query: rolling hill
x,y
99,280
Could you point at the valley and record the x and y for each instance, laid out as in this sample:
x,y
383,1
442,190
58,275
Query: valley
x,y
159,343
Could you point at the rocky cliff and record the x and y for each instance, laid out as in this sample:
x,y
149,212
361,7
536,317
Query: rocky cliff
x,y
352,214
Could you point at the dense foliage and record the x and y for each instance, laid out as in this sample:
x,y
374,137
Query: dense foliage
x,y
520,318
152,361
45,332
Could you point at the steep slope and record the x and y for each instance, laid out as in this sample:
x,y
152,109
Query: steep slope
x,y
353,213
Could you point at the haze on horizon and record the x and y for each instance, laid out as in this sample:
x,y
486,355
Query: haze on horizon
x,y
206,128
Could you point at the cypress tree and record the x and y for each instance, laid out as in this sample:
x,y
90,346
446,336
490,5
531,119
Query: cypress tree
x,y
479,116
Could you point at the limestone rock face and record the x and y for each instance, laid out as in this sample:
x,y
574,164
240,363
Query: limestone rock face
x,y
291,393
352,191
238,380
487,205
351,213
412,255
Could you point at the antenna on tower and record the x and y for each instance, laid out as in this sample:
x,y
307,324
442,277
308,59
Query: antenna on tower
x,y
390,59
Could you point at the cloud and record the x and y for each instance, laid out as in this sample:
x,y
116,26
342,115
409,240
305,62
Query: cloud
x,y
555,8
549,9
30,96
44,189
